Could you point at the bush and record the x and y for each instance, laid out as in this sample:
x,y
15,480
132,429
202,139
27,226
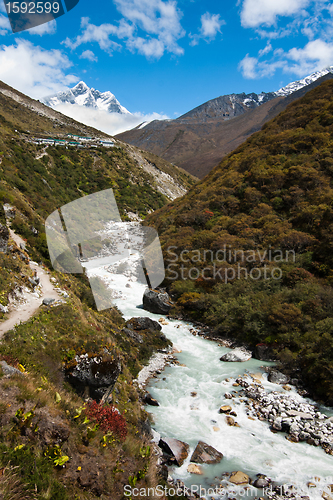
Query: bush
x,y
108,418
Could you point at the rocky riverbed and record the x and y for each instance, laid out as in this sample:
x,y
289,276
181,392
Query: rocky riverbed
x,y
300,421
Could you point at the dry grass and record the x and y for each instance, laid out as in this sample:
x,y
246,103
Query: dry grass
x,y
11,486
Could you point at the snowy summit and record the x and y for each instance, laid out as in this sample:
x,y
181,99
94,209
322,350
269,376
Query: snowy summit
x,y
82,95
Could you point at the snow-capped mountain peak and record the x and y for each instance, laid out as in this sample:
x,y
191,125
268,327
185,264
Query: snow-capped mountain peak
x,y
298,84
82,95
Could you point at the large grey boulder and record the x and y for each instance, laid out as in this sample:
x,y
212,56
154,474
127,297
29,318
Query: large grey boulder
x,y
157,302
236,355
143,323
206,454
277,377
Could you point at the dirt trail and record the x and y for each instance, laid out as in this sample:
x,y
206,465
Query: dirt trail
x,y
22,311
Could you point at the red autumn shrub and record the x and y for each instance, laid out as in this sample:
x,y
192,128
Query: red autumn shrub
x,y
108,418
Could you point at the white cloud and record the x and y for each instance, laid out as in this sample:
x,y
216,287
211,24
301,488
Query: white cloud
x,y
265,50
110,123
151,47
33,70
158,20
88,54
4,25
315,56
44,29
210,25
257,13
93,33
248,67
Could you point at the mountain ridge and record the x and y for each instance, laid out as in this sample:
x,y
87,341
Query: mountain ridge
x,y
197,145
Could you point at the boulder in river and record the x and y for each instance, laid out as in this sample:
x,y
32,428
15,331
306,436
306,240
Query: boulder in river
x,y
277,377
237,354
239,477
262,481
143,323
157,302
206,454
225,409
177,449
230,421
149,400
194,469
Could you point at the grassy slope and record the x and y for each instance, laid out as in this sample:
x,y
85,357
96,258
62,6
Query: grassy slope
x,y
98,466
28,115
274,191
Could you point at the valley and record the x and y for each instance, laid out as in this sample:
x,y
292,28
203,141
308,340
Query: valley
x,y
74,421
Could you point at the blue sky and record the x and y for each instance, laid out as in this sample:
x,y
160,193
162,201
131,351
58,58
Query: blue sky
x,y
168,56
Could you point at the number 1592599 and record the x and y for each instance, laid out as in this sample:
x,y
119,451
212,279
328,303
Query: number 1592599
x,y
32,7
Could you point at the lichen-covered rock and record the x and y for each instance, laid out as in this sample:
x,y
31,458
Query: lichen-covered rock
x,y
133,335
98,373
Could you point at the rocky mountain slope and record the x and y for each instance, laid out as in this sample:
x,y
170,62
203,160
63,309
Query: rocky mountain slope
x,y
53,444
199,139
249,249
26,119
82,95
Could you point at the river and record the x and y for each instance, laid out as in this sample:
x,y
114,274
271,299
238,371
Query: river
x,y
251,448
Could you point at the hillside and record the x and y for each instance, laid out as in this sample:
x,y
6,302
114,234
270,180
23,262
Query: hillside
x,y
53,444
198,140
266,209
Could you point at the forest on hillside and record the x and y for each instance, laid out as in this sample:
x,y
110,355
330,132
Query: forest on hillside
x,y
269,205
